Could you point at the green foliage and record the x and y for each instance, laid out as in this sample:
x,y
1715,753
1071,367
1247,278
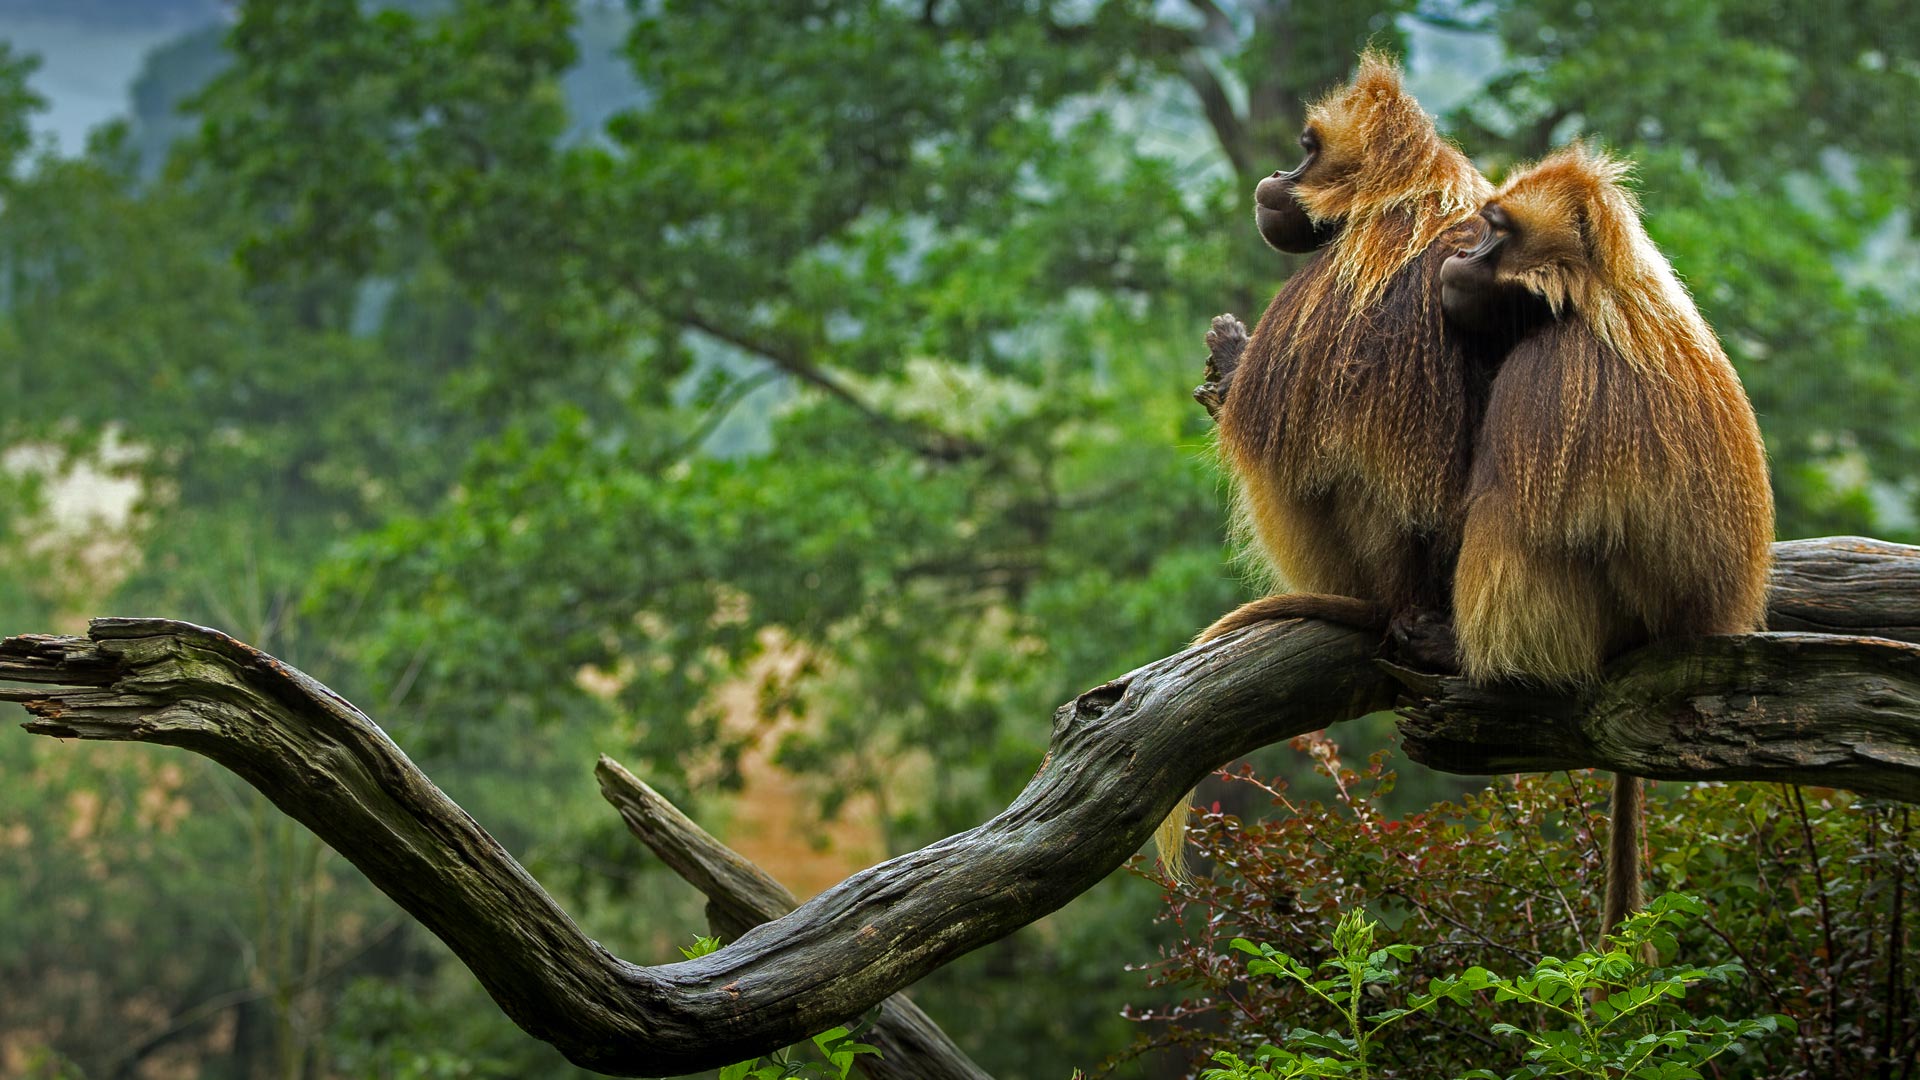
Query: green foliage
x,y
1508,879
836,1049
1355,969
1602,1014
48,1065
386,1033
1619,1015
18,102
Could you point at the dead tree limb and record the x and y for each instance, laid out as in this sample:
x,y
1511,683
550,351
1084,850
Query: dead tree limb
x,y
1121,755
741,896
1846,585
1796,708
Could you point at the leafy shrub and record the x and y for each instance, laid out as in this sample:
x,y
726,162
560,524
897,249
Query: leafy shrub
x,y
836,1047
1599,1014
1806,889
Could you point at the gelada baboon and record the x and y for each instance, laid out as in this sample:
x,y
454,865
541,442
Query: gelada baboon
x,y
1348,421
1619,491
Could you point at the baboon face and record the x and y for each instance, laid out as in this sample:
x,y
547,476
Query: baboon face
x,y
1477,287
1277,211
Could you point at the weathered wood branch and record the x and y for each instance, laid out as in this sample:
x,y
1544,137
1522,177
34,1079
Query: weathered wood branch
x,y
741,896
1840,709
1798,708
1122,754
1846,585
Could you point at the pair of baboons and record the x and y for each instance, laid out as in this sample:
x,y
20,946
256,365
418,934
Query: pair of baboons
x,y
1494,410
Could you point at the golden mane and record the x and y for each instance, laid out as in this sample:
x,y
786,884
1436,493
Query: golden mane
x,y
1584,247
1406,185
1619,432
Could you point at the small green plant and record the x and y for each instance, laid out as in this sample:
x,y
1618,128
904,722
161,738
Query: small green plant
x,y
1608,1014
837,1047
1350,976
1613,1014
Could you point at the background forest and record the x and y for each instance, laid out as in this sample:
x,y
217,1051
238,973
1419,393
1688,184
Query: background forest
x,y
789,399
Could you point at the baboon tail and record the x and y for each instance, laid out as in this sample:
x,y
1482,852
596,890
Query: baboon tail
x,y
1345,610
1623,852
1171,837
1171,840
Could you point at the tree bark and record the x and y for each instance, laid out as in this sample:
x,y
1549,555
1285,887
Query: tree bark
x,y
741,896
1815,709
1841,709
1122,754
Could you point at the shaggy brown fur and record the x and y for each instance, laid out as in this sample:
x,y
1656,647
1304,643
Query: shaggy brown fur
x,y
1348,422
1619,490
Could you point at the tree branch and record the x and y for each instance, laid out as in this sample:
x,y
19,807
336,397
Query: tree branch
x,y
1122,755
1839,709
1228,128
1218,27
1846,585
741,896
922,439
791,359
1796,708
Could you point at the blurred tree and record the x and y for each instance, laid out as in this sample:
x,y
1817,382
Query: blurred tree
x,y
17,104
257,422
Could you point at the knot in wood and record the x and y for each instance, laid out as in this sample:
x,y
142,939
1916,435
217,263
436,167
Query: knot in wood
x,y
1095,702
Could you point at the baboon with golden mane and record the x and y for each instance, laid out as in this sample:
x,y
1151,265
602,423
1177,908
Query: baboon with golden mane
x,y
1348,422
1619,490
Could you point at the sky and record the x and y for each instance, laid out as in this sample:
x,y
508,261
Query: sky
x,y
89,57
91,52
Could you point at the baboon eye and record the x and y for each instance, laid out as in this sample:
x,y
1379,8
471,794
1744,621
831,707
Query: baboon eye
x,y
1309,141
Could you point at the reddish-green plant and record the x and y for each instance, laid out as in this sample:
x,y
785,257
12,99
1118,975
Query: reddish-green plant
x,y
1807,888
